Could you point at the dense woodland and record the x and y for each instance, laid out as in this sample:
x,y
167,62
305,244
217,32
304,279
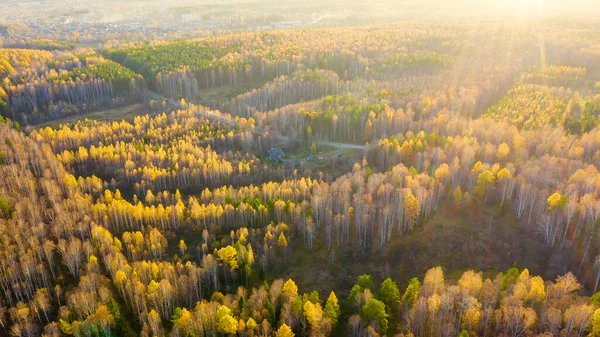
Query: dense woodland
x,y
39,85
179,223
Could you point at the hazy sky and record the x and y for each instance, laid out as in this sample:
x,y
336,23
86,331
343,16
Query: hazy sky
x,y
523,8
388,10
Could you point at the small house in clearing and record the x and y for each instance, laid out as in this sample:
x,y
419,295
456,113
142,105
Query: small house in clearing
x,y
276,155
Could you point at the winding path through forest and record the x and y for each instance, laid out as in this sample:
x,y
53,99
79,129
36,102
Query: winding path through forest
x,y
228,119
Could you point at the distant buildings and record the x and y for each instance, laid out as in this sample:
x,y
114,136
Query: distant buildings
x,y
105,21
192,17
286,24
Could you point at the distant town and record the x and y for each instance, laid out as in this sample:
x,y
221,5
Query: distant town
x,y
106,21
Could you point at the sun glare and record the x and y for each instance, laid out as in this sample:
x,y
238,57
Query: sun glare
x,y
520,8
526,8
540,5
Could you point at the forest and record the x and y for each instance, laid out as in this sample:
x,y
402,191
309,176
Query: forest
x,y
40,85
397,179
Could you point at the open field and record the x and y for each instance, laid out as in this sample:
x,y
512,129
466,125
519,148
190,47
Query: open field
x,y
330,160
214,97
126,113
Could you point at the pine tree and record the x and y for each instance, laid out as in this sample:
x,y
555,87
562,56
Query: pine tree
x,y
412,292
389,294
374,310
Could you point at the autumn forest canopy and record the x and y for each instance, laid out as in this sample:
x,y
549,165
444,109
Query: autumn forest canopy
x,y
422,178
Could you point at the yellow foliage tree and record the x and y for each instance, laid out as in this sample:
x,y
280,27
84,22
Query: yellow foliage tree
x,y
229,256
282,241
537,292
290,289
503,151
225,322
458,196
411,210
284,331
596,324
471,282
313,314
